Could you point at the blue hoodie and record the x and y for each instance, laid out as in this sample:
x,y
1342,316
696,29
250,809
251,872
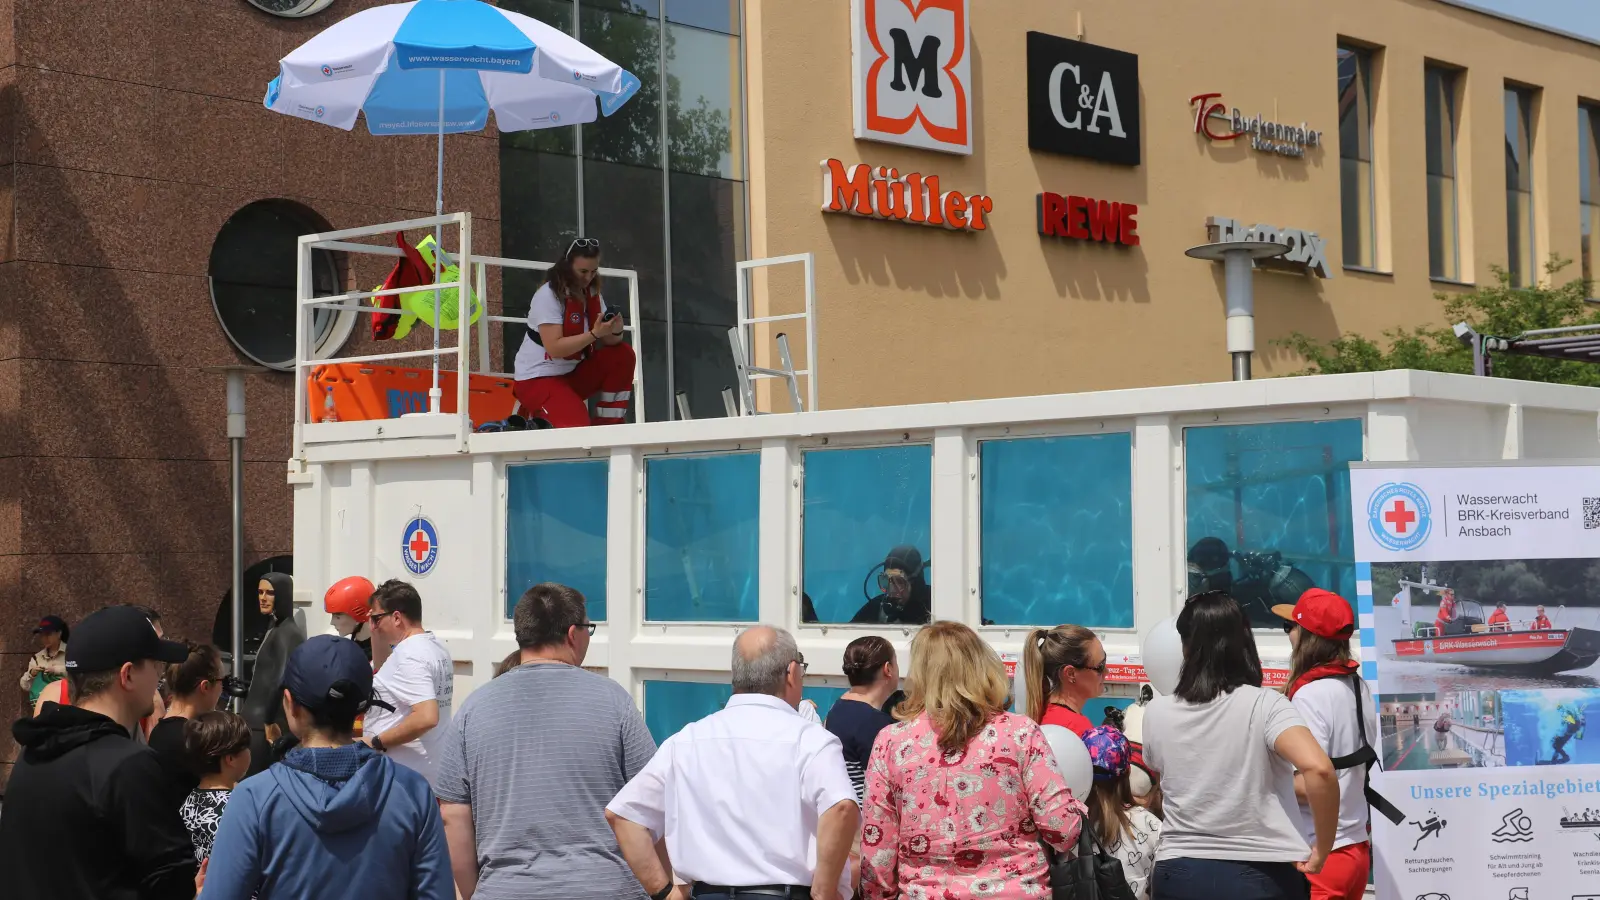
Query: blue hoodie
x,y
330,824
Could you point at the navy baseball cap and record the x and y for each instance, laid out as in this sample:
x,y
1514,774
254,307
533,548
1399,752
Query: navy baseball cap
x,y
328,672
116,635
52,623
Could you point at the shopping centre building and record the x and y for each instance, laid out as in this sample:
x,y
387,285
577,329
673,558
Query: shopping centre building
x,y
997,198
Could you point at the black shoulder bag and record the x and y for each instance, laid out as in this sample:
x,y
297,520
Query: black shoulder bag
x,y
1367,757
1093,874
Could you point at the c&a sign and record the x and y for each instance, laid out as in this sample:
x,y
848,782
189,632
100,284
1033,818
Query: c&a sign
x,y
883,192
1083,100
911,73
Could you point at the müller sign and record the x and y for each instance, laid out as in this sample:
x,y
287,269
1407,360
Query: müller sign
x,y
882,192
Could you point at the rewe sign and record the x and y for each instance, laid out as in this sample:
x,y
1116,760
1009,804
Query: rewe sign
x,y
911,73
1088,219
1083,100
882,192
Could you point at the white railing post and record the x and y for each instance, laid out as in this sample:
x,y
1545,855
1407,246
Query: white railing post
x,y
303,289
463,328
482,282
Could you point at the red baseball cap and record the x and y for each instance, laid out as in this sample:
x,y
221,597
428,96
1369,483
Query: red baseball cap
x,y
1322,613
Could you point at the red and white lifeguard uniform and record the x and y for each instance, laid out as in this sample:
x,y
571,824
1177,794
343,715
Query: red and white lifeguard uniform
x,y
557,388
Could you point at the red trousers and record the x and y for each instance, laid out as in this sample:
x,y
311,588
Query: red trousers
x,y
1344,875
560,399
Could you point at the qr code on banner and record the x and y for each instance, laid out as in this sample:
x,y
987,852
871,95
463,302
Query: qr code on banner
x,y
1591,512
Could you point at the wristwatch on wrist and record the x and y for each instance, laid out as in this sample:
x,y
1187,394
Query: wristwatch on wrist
x,y
665,892
377,744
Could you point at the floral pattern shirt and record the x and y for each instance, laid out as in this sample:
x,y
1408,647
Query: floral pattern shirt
x,y
963,825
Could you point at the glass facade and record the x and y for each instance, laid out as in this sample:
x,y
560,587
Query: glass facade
x,y
660,183
556,530
859,505
1268,511
1444,241
1355,157
1056,519
1589,189
700,534
1520,233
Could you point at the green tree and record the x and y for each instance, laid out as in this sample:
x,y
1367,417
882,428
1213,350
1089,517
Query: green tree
x,y
1498,309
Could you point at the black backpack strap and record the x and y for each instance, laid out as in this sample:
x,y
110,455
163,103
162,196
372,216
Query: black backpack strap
x,y
1368,757
533,335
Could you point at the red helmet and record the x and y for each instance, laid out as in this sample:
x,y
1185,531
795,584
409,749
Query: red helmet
x,y
349,596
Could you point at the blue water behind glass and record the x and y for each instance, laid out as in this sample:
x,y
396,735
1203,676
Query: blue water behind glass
x,y
1282,487
1057,530
670,705
556,529
701,530
859,504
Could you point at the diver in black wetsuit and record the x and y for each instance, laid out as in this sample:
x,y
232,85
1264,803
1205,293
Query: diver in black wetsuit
x,y
1264,579
905,598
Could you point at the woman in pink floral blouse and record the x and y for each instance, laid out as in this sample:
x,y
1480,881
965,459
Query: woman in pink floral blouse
x,y
960,791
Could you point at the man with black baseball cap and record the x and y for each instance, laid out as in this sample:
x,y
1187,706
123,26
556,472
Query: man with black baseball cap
x,y
335,819
88,813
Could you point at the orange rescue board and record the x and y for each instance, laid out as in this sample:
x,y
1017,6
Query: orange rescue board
x,y
362,392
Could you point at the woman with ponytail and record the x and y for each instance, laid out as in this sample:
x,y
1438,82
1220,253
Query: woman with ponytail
x,y
1063,667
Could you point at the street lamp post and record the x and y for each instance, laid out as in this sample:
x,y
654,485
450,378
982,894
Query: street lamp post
x,y
235,376
1238,259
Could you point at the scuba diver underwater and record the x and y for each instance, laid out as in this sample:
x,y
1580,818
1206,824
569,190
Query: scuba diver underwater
x,y
904,596
1569,727
1264,579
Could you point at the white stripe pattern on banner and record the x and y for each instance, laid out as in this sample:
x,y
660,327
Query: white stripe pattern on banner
x,y
613,397
606,412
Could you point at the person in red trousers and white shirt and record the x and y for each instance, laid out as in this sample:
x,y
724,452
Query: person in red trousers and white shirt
x,y
574,348
1325,687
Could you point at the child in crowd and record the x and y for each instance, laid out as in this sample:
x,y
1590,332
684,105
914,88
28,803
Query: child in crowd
x,y
1125,829
218,745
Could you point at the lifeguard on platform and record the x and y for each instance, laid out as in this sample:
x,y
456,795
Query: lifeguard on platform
x,y
574,348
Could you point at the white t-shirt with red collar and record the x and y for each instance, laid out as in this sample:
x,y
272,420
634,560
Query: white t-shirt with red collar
x,y
532,360
1328,706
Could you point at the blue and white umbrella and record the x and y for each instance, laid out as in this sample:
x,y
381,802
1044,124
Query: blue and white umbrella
x,y
439,67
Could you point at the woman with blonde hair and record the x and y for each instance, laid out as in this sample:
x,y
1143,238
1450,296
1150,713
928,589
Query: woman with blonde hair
x,y
960,792
1063,668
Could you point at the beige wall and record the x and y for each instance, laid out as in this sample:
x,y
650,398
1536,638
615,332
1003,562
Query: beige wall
x,y
914,314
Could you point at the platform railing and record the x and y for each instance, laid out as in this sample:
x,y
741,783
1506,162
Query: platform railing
x,y
473,271
634,326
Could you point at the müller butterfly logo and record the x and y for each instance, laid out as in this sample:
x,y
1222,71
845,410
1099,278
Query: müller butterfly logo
x,y
1399,516
912,73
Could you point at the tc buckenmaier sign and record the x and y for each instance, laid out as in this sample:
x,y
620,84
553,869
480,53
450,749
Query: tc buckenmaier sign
x,y
882,192
1306,248
911,73
1083,100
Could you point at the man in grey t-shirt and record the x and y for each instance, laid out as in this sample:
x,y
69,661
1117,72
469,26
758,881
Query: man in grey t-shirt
x,y
533,758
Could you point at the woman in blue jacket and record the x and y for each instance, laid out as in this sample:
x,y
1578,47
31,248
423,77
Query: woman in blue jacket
x,y
335,819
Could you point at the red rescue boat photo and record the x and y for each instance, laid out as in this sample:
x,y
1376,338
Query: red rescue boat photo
x,y
1463,635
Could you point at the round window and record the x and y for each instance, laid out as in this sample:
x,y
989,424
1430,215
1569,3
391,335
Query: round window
x,y
253,283
291,9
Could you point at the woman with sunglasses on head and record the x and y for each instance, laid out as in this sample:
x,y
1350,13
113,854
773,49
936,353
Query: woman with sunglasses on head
x,y
574,347
1326,688
1064,667
1227,751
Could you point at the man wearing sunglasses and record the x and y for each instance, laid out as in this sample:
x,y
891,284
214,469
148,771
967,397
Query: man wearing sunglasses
x,y
574,348
416,682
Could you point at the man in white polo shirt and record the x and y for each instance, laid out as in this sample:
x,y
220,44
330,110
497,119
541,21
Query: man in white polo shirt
x,y
417,679
754,800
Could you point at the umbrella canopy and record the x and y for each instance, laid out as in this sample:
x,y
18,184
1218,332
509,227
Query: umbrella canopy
x,y
440,66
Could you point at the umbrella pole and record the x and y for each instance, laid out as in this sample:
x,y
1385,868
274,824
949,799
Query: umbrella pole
x,y
435,396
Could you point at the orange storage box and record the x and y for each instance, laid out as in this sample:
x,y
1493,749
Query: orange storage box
x,y
362,391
